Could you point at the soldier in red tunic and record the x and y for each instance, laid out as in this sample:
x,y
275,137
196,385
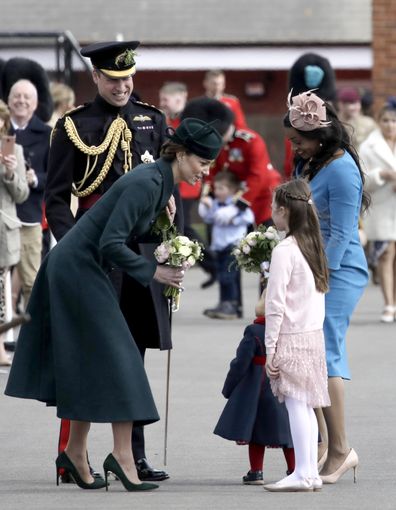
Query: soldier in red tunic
x,y
214,84
245,155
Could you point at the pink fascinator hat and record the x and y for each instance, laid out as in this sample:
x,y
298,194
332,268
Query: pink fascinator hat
x,y
307,111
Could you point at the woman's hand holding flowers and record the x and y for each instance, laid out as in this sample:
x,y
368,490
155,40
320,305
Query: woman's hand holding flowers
x,y
168,275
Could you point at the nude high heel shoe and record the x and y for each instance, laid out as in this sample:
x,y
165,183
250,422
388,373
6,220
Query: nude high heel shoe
x,y
351,462
322,459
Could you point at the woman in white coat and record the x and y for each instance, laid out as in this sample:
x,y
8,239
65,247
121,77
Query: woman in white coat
x,y
13,190
378,153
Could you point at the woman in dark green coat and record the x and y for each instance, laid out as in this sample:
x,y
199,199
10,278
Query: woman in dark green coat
x,y
77,352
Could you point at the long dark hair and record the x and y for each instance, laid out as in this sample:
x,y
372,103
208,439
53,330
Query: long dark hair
x,y
295,196
331,138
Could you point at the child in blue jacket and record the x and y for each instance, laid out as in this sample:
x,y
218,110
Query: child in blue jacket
x,y
252,414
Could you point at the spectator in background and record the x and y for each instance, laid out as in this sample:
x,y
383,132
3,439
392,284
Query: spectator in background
x,y
63,98
13,190
359,126
172,100
244,154
378,153
226,234
214,84
33,134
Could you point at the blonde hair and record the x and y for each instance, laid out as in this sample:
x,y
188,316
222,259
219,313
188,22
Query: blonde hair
x,y
5,115
62,94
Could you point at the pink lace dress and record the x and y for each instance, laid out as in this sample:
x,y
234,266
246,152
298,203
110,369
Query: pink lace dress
x,y
294,312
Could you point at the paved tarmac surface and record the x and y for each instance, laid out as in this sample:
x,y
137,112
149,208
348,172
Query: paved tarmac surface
x,y
206,470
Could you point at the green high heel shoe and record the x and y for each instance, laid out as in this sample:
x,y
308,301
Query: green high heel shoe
x,y
111,464
63,462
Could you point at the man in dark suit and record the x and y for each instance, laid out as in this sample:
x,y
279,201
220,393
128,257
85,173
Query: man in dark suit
x,y
33,135
92,146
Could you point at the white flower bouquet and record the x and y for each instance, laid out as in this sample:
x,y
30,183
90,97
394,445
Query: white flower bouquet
x,y
253,252
178,251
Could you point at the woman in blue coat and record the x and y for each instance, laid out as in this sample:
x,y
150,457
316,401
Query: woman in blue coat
x,y
77,353
326,158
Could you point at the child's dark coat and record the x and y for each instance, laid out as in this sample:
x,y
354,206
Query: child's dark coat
x,y
252,413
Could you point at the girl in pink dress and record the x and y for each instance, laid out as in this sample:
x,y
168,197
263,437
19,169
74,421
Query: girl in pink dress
x,y
294,308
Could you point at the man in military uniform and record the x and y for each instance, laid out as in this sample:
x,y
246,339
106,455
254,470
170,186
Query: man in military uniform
x,y
92,146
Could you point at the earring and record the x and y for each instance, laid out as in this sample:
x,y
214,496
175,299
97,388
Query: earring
x,y
321,144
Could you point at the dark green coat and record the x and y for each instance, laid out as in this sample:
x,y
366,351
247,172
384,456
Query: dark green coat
x,y
77,352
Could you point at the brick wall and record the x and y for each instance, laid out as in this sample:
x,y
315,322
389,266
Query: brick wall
x,y
384,51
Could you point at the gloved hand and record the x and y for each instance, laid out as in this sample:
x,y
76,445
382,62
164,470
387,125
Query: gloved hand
x,y
224,215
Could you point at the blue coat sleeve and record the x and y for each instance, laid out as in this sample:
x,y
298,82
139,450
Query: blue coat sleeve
x,y
345,191
241,363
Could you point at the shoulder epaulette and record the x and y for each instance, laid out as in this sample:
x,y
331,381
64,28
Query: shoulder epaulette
x,y
245,135
75,109
149,106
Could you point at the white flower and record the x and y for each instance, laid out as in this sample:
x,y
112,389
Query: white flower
x,y
246,248
185,251
269,235
252,241
191,260
183,240
265,265
237,252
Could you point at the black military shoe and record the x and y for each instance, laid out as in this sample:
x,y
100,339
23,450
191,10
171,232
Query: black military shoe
x,y
253,478
147,473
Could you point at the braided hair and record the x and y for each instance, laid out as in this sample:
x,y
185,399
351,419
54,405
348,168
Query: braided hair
x,y
331,138
295,196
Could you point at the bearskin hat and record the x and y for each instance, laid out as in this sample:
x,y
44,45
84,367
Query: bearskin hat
x,y
209,110
25,69
312,71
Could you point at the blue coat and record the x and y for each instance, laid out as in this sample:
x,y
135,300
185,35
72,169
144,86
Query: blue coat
x,y
252,413
337,193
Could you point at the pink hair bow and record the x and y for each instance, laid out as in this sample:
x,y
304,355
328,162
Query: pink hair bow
x,y
307,111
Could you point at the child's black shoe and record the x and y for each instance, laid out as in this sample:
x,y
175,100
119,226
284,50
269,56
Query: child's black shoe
x,y
253,478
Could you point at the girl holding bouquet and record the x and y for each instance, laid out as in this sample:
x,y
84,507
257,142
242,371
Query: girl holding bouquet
x,y
77,353
294,309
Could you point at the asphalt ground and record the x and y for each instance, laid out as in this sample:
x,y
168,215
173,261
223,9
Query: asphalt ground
x,y
205,470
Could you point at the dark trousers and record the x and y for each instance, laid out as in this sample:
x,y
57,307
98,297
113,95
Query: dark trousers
x,y
228,275
138,444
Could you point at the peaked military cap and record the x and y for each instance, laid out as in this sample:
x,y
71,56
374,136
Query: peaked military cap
x,y
198,137
115,59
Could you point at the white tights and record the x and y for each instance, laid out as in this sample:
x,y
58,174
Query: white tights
x,y
304,431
